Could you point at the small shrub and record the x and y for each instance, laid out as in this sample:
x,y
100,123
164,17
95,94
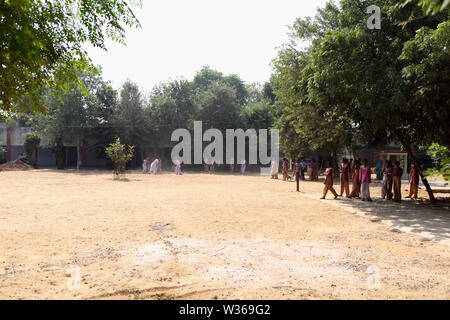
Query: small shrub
x,y
119,157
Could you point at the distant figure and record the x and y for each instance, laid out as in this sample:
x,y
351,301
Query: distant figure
x,y
303,168
365,180
397,173
344,177
243,167
387,180
231,165
154,166
178,168
274,170
310,170
329,182
145,165
355,180
413,181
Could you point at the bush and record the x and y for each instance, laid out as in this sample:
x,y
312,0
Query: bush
x,y
441,159
119,156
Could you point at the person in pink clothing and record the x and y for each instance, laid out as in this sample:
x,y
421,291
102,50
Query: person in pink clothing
x,y
365,180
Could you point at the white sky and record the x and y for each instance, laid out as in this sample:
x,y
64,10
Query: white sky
x,y
178,37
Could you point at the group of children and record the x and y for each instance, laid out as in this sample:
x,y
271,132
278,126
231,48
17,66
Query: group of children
x,y
300,167
360,174
154,167
211,168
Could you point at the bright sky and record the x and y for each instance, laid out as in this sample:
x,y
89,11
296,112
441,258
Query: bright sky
x,y
178,37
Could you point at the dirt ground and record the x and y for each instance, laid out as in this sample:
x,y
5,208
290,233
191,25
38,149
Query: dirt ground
x,y
200,236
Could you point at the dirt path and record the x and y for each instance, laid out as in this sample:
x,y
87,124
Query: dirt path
x,y
200,236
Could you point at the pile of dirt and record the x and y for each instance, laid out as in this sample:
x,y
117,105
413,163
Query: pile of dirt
x,y
16,165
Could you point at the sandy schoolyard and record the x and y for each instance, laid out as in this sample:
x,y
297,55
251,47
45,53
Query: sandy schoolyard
x,y
69,235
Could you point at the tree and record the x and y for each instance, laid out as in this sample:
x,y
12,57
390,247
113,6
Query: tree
x,y
219,107
441,159
30,144
42,45
206,78
427,81
257,115
70,118
171,106
128,117
119,157
357,80
429,7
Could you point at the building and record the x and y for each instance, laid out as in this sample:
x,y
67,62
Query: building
x,y
12,138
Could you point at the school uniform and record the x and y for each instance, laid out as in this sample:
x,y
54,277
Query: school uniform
x,y
355,181
397,183
329,183
344,175
413,182
387,186
365,180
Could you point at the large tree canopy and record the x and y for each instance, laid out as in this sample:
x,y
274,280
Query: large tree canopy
x,y
41,44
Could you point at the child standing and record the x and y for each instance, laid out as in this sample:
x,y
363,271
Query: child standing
x,y
178,168
329,182
355,180
387,185
303,168
413,181
144,165
365,180
397,173
243,167
344,176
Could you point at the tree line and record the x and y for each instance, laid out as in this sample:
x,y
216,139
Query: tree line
x,y
99,113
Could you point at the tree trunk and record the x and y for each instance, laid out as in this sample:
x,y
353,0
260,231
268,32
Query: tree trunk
x,y
335,164
418,166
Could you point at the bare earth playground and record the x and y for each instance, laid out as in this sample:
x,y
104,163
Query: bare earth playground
x,y
69,235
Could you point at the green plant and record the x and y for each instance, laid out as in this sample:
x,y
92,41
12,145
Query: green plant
x,y
441,159
31,143
119,156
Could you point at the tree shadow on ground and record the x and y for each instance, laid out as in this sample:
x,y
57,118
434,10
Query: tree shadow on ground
x,y
407,216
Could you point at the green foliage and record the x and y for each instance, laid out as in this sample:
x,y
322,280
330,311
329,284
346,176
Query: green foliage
x,y
119,156
358,85
257,115
429,7
441,159
128,118
219,107
42,45
30,144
